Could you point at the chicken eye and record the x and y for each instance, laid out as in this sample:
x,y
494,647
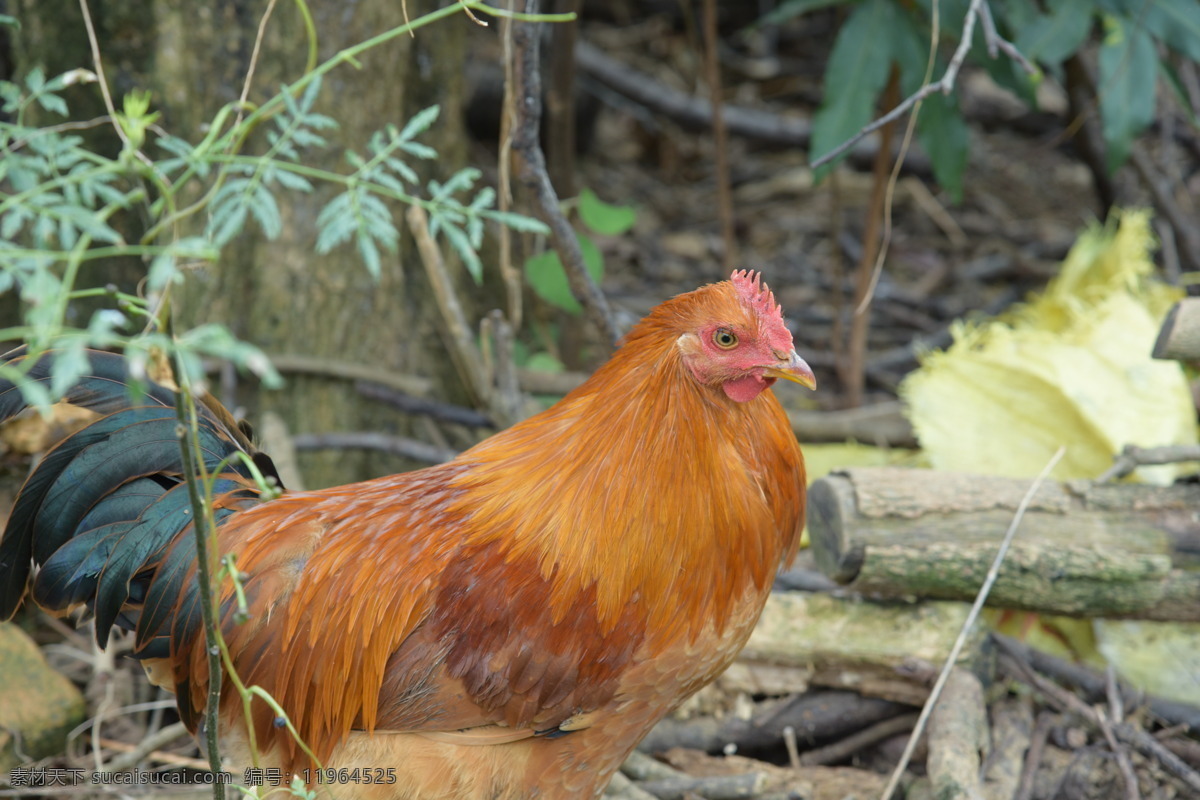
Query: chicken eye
x,y
725,339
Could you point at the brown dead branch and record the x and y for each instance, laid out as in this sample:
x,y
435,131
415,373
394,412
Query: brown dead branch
x,y
532,172
1124,732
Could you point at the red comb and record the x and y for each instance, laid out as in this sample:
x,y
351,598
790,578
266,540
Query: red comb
x,y
756,294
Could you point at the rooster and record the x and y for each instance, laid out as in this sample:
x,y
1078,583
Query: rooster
x,y
508,624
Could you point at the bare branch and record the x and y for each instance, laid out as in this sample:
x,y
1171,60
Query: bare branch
x,y
946,84
459,335
534,177
1132,457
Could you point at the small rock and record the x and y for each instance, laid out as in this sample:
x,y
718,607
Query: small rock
x,y
38,704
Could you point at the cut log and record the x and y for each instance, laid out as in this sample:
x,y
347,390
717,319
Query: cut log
x,y
1179,336
1083,549
851,644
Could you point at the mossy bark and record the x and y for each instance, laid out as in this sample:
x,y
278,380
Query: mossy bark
x,y
1082,549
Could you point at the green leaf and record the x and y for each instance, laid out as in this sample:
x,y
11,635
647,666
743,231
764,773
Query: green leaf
x,y
336,223
369,252
605,219
943,133
162,272
266,211
419,150
310,94
462,245
70,364
90,224
36,79
103,326
292,181
1053,38
1128,74
544,362
857,71
518,222
1176,22
549,282
53,103
419,123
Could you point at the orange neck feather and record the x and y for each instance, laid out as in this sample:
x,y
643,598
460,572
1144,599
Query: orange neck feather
x,y
646,484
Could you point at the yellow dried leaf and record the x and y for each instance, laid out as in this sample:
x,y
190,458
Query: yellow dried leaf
x,y
1071,367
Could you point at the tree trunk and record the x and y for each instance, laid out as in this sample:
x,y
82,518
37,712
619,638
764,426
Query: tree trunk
x,y
281,295
53,37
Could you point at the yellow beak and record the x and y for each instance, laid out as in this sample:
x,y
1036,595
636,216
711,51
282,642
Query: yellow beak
x,y
793,369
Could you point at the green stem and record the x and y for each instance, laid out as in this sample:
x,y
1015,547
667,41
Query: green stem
x,y
185,409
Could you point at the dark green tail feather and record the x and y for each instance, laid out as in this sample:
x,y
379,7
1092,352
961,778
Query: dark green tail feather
x,y
106,514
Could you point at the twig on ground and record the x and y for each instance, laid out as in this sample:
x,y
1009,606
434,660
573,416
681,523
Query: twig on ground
x,y
719,787
1116,713
532,171
1125,732
820,714
622,788
1121,754
1132,457
793,751
843,749
976,608
1112,690
396,445
956,736
689,110
641,767
147,750
1092,684
1180,745
945,85
1033,758
1011,732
